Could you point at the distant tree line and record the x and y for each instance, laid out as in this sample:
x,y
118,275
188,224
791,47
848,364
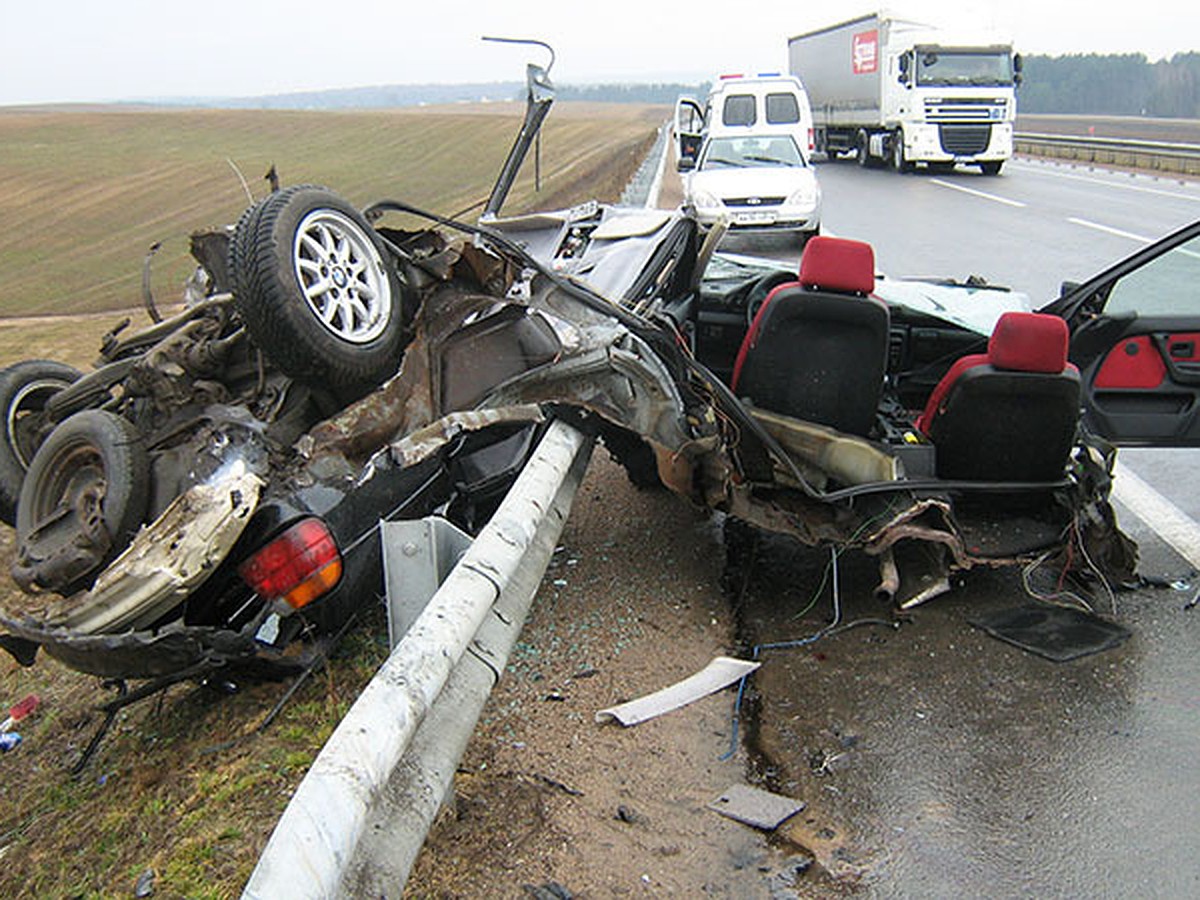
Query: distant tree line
x,y
631,93
1113,84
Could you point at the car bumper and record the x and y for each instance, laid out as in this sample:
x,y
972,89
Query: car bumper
x,y
779,218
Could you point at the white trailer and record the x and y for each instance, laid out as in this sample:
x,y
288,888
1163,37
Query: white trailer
x,y
892,90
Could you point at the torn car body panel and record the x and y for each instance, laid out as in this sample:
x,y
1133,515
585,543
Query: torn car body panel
x,y
623,320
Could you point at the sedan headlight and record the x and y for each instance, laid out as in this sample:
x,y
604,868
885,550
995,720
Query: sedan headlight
x,y
805,195
704,199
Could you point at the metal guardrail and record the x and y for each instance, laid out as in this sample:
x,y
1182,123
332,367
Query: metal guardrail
x,y
1154,155
400,741
642,189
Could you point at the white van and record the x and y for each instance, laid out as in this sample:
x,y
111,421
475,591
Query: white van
x,y
739,105
745,156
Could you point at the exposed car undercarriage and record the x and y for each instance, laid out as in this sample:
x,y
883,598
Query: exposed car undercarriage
x,y
401,373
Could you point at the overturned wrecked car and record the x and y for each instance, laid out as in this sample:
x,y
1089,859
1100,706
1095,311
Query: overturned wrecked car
x,y
212,491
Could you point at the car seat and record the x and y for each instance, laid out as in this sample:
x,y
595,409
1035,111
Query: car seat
x,y
817,348
1009,414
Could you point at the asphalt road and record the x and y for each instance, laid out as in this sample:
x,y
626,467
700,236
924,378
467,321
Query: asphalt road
x,y
936,760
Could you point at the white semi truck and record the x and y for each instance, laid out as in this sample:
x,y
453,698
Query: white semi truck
x,y
895,91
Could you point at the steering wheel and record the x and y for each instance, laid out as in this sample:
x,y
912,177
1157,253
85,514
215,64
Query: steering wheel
x,y
757,295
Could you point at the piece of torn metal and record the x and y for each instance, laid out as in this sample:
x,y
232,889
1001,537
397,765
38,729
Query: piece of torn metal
x,y
1056,633
719,673
755,807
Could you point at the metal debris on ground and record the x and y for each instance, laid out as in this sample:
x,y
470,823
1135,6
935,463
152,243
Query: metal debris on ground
x,y
1057,633
19,711
719,673
145,884
756,807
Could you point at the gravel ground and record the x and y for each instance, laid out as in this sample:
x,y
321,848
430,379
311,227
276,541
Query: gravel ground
x,y
547,799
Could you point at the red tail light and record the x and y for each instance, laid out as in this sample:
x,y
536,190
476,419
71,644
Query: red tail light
x,y
298,566
811,143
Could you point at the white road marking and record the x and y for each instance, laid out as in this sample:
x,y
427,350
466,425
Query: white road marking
x,y
1160,514
1107,230
975,193
1110,182
1183,250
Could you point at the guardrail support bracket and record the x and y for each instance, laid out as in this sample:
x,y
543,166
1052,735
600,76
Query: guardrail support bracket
x,y
418,554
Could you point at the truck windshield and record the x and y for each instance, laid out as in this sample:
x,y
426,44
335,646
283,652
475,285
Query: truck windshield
x,y
958,67
777,150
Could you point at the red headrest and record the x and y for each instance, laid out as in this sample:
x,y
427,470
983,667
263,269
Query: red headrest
x,y
838,264
1029,342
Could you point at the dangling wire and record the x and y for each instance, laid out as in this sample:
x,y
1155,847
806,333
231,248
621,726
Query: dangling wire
x,y
833,628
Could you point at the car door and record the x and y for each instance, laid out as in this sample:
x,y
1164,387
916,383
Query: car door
x,y
1135,336
689,125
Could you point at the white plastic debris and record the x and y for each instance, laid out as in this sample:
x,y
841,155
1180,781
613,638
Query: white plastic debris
x,y
721,672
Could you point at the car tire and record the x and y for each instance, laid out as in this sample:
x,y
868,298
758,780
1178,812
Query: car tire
x,y
24,390
313,284
95,468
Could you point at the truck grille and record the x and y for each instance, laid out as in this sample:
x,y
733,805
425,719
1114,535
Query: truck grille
x,y
965,140
958,109
753,202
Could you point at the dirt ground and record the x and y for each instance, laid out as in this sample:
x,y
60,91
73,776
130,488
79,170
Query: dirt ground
x,y
549,803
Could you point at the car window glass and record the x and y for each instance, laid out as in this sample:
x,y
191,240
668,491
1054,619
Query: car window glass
x,y
1165,286
739,110
782,109
762,151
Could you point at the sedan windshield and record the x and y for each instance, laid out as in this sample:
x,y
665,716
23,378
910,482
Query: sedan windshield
x,y
778,150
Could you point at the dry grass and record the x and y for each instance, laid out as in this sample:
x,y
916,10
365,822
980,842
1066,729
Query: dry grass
x,y
84,193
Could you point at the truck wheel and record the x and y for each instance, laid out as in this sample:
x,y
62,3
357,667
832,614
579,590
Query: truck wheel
x,y
991,168
862,153
84,496
24,390
899,163
316,291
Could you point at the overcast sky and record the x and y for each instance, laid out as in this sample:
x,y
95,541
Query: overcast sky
x,y
98,50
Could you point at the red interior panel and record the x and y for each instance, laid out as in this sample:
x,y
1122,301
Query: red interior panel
x,y
1133,363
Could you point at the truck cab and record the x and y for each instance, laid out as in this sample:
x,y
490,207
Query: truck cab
x,y
903,93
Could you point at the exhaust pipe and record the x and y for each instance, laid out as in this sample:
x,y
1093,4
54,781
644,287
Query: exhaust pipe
x,y
889,577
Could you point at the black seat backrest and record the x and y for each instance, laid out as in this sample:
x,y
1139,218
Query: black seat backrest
x,y
817,349
1010,414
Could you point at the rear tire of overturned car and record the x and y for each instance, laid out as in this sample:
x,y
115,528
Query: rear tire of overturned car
x,y
24,390
87,490
318,295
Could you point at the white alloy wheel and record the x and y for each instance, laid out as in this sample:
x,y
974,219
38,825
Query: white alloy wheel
x,y
342,276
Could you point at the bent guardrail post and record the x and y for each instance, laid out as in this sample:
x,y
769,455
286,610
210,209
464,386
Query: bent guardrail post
x,y
315,840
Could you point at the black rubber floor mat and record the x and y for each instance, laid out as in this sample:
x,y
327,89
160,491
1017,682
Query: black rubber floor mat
x,y
1054,632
